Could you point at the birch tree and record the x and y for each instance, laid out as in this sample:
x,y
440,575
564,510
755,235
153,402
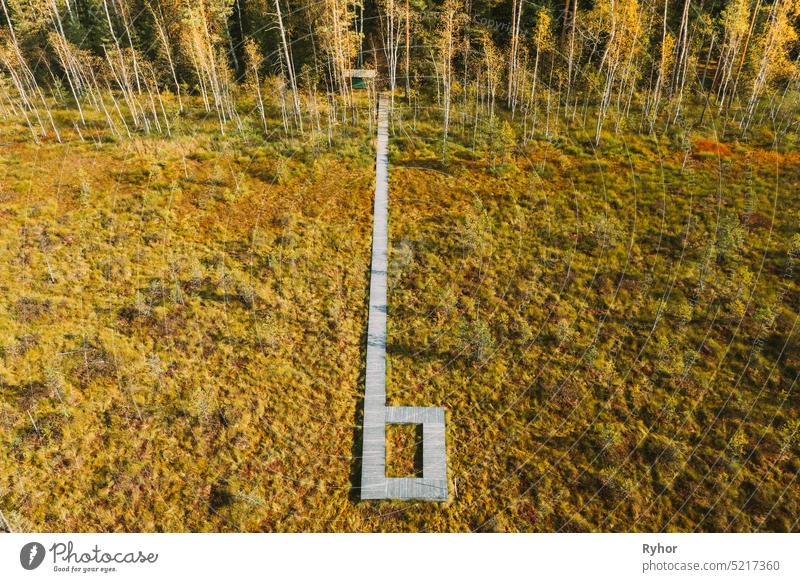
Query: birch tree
x,y
664,67
393,26
542,43
289,64
774,50
622,18
339,42
735,22
513,55
450,23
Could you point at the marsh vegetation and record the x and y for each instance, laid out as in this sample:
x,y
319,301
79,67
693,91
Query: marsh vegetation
x,y
594,246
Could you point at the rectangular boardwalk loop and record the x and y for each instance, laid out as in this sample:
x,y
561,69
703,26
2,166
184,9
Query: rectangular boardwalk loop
x,y
374,483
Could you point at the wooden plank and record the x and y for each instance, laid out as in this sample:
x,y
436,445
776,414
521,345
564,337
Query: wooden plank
x,y
374,483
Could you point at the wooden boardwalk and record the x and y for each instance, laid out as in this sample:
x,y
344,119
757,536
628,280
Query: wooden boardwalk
x,y
374,483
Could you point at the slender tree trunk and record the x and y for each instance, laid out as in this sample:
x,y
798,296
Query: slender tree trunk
x,y
289,66
743,56
408,51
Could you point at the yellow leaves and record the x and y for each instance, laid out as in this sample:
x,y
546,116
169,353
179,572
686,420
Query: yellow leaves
x,y
543,33
738,442
252,61
492,57
452,18
783,35
621,23
738,309
667,55
736,20
629,28
332,27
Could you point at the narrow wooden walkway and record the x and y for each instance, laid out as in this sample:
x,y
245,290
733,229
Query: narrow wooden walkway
x,y
374,483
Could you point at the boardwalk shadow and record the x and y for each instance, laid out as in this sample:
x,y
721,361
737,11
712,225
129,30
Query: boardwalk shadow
x,y
418,450
356,448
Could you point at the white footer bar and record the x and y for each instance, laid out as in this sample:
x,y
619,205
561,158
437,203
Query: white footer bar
x,y
407,557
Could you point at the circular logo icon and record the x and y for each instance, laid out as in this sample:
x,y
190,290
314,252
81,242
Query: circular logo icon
x,y
31,555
